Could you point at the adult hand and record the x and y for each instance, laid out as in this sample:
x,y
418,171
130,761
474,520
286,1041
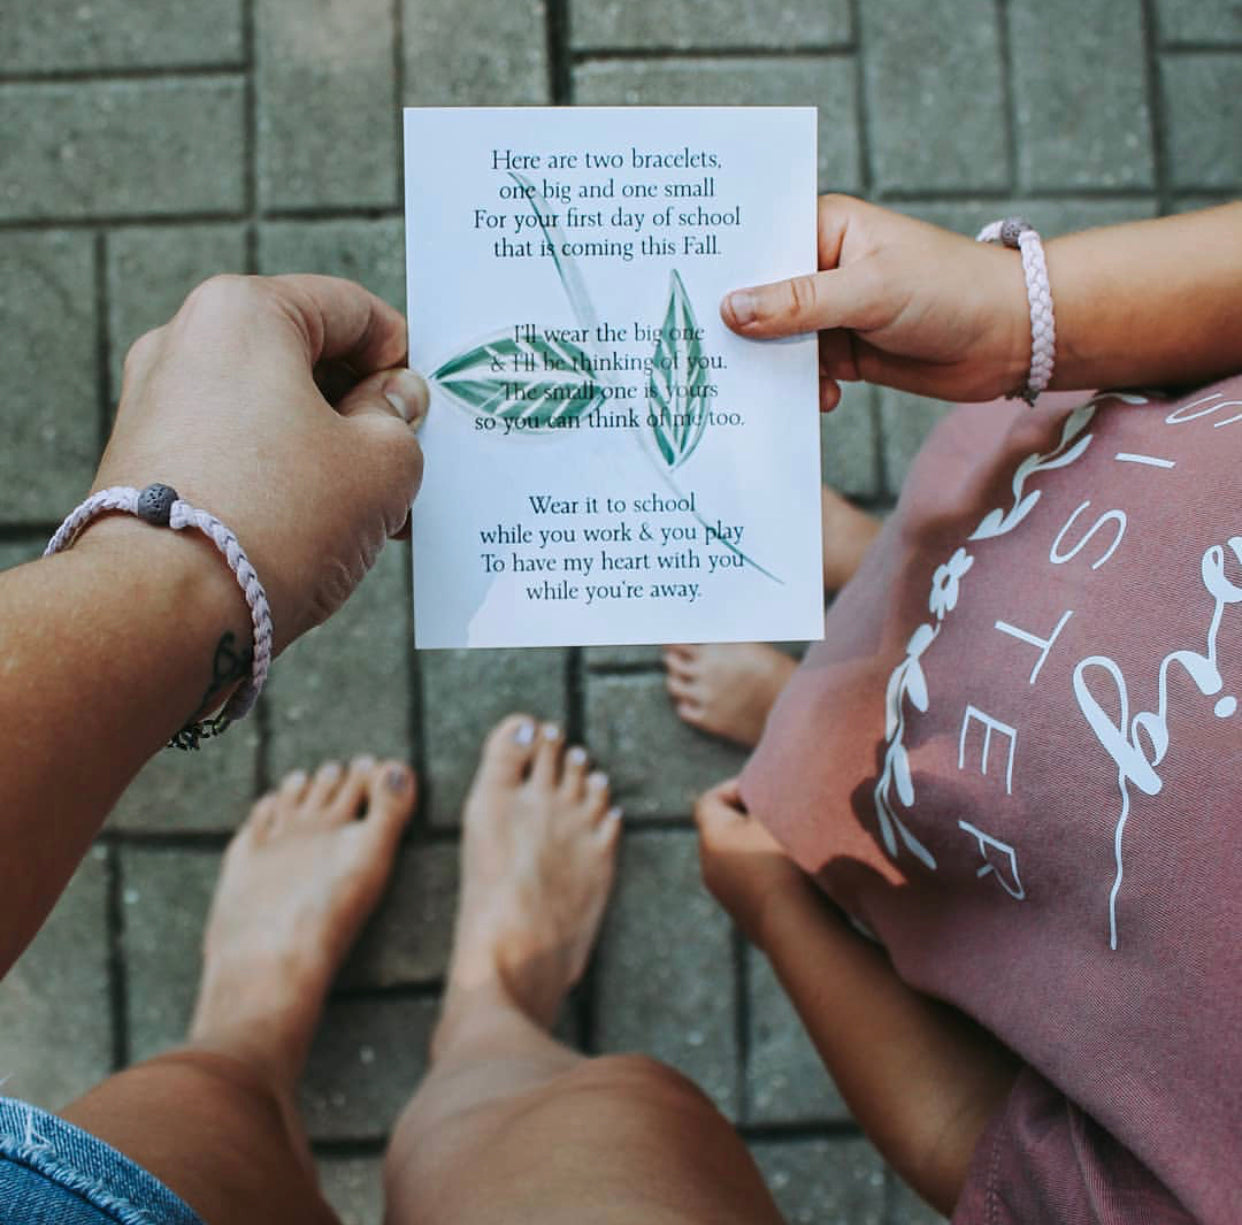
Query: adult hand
x,y
221,404
902,303
744,868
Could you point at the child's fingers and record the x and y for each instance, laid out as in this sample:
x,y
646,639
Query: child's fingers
x,y
838,298
718,806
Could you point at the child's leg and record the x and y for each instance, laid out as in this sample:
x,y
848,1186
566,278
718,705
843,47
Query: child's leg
x,y
727,689
510,1123
216,1120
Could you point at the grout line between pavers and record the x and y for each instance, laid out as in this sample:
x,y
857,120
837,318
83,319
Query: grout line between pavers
x,y
115,221
1008,103
110,76
250,150
741,1020
118,970
1155,107
861,108
103,357
560,59
581,55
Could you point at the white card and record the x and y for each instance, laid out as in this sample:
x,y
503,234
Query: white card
x,y
605,461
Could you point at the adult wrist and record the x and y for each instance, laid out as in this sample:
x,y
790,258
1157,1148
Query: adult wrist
x,y
177,577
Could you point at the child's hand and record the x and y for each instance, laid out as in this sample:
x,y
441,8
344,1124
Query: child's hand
x,y
221,404
900,302
743,866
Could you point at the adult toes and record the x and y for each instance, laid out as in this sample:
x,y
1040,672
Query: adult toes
x,y
508,751
391,790
546,768
352,793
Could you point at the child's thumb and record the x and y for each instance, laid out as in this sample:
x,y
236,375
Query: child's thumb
x,y
837,298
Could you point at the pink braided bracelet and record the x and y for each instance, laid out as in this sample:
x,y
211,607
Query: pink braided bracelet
x,y
161,506
1021,235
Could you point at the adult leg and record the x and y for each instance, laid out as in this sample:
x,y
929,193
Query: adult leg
x,y
216,1120
511,1124
727,688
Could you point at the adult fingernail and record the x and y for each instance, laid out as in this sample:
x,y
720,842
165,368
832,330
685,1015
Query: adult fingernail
x,y
397,780
407,393
743,306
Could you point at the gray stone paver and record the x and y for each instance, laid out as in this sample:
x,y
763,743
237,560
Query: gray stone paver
x,y
934,94
150,270
499,683
1204,110
344,688
1063,83
128,148
1199,21
666,985
41,36
142,154
327,126
370,252
786,1080
824,1182
475,54
656,763
825,81
56,998
47,306
678,24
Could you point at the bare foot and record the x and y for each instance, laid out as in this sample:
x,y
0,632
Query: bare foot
x,y
848,533
539,842
726,688
298,881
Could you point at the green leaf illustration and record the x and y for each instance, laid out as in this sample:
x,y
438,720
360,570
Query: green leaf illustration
x,y
678,378
541,382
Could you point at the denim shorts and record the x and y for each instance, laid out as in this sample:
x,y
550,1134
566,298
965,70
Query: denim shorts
x,y
52,1173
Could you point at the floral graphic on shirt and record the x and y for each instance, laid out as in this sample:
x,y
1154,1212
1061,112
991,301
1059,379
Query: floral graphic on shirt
x,y
907,683
945,583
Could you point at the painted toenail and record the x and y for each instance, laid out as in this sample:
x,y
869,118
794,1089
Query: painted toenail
x,y
296,778
364,762
551,731
525,732
330,770
615,814
397,780
598,779
577,755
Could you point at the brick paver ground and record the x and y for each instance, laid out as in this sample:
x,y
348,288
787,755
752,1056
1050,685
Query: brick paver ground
x,y
144,146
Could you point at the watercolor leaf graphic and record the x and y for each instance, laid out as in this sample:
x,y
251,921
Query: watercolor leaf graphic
x,y
676,385
538,381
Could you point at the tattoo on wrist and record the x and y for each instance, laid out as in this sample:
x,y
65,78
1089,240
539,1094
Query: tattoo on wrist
x,y
229,664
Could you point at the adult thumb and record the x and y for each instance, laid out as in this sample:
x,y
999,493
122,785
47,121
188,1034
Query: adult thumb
x,y
390,406
401,393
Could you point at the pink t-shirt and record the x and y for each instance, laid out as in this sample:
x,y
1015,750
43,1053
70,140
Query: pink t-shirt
x,y
1017,759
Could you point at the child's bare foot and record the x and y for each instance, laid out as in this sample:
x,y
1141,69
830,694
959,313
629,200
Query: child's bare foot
x,y
726,688
539,843
848,533
298,881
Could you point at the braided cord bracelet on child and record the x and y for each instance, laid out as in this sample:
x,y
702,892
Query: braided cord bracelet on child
x,y
1021,235
161,506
